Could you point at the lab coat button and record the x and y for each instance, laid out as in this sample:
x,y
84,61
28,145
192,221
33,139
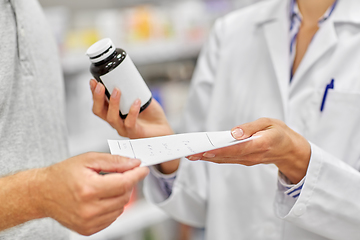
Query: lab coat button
x,y
22,32
299,209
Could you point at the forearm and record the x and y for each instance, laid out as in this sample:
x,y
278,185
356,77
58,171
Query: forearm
x,y
17,198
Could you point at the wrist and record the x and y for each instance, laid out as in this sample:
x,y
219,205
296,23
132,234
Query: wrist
x,y
18,199
35,187
25,185
169,167
295,167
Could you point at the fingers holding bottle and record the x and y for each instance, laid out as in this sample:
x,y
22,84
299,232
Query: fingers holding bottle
x,y
100,105
113,115
150,122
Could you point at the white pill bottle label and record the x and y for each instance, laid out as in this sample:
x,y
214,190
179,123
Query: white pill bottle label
x,y
132,86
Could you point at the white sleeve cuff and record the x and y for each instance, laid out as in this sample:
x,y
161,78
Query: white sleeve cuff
x,y
165,181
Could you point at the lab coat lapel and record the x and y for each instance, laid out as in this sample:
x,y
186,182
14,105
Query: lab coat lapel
x,y
277,39
324,40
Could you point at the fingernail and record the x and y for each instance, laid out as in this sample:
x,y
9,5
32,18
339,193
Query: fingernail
x,y
209,155
137,102
237,133
91,84
115,93
194,158
98,88
134,160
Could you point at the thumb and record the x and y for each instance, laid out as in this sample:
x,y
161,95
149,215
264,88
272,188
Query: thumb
x,y
249,129
103,162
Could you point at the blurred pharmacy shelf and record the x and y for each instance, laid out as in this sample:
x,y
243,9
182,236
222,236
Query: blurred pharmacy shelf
x,y
150,31
76,61
80,4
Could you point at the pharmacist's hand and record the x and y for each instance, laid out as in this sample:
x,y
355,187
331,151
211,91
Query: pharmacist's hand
x,y
151,122
277,144
76,195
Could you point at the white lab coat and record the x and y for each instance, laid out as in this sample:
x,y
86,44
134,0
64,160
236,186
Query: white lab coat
x,y
243,74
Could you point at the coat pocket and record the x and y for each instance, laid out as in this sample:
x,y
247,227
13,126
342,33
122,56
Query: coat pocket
x,y
337,128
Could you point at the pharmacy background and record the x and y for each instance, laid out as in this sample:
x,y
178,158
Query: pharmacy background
x,y
163,39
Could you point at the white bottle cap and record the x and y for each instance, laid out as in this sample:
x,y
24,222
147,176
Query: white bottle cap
x,y
101,50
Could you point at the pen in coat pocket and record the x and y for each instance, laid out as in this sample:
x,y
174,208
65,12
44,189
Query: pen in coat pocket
x,y
329,86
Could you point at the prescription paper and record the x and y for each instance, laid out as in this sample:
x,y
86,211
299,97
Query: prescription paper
x,y
157,150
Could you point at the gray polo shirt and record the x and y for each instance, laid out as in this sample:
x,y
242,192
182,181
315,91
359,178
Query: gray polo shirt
x,y
32,105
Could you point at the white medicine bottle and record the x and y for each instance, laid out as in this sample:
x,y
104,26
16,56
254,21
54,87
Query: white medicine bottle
x,y
113,68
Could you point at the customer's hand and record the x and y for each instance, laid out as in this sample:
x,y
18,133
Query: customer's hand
x,y
151,122
76,195
277,144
